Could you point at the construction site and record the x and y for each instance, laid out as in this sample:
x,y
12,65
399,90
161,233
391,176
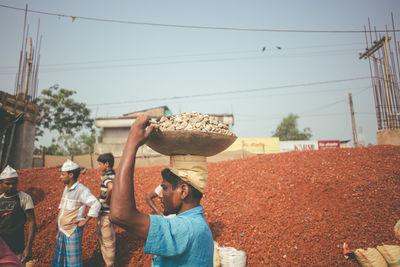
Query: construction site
x,y
284,203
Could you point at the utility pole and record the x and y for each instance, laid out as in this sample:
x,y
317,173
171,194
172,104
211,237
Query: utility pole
x,y
384,42
387,80
353,121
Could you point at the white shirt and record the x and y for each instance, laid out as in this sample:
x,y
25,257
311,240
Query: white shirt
x,y
73,205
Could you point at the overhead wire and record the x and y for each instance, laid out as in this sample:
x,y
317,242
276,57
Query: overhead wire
x,y
181,26
206,60
189,55
229,92
73,18
312,112
72,67
325,106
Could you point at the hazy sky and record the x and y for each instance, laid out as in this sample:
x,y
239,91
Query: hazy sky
x,y
125,56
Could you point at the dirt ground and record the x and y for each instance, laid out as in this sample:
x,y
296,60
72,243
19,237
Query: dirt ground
x,y
286,209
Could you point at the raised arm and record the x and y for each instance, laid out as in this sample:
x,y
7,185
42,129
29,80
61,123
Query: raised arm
x,y
123,211
149,200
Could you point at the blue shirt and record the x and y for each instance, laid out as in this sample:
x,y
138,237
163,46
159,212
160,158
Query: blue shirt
x,y
184,240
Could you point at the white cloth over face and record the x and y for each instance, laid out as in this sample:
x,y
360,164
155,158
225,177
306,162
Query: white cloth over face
x,y
69,165
158,190
8,173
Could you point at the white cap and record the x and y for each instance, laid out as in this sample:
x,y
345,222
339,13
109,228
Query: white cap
x,y
69,165
8,172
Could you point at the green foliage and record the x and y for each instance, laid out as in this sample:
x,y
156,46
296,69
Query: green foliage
x,y
61,113
82,144
55,149
287,129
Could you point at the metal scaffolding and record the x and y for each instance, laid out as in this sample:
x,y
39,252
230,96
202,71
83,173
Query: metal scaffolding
x,y
385,74
19,113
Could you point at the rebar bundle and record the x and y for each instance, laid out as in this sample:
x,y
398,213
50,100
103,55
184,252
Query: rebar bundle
x,y
385,74
26,83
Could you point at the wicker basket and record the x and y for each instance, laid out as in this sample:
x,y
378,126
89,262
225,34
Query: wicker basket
x,y
189,142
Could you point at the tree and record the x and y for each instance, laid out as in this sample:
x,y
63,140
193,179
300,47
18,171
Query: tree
x,y
55,149
287,129
60,112
82,144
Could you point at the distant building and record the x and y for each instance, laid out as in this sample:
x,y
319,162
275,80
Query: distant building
x,y
345,144
116,130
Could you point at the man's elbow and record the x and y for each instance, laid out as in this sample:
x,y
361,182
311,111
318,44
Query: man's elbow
x,y
117,217
113,217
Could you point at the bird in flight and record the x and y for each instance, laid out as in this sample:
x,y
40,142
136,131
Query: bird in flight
x,y
263,49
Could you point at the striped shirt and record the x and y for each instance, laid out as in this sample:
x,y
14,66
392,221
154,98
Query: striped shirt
x,y
108,177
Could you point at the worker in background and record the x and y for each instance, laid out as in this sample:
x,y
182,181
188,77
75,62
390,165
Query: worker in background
x,y
104,228
16,208
71,218
149,199
184,240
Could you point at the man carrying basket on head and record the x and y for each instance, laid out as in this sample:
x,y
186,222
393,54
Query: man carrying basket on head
x,y
184,240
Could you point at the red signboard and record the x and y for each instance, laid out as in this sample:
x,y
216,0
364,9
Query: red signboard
x,y
327,144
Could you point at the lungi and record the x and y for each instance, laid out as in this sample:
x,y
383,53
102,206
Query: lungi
x,y
68,250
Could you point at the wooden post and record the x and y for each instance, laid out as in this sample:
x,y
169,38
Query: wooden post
x,y
353,122
90,155
43,156
242,149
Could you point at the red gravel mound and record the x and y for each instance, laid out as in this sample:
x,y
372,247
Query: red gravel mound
x,y
287,209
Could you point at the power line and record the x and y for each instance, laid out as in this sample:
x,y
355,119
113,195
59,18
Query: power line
x,y
192,55
141,58
243,98
310,113
73,18
279,116
230,92
325,106
71,67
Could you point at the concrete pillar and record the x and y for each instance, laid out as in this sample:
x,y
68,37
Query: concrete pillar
x,y
23,144
388,137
